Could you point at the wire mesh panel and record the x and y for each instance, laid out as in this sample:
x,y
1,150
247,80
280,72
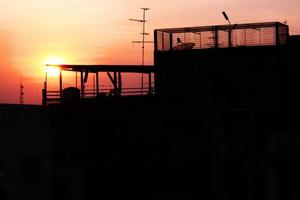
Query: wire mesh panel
x,y
208,39
268,36
166,41
197,38
255,34
238,38
192,37
253,37
223,38
159,41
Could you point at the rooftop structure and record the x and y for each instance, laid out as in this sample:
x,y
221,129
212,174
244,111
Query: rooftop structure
x,y
182,56
259,67
224,122
221,36
114,73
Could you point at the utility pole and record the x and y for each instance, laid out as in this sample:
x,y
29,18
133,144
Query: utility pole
x,y
143,21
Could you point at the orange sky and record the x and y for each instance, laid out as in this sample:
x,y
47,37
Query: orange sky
x,y
99,32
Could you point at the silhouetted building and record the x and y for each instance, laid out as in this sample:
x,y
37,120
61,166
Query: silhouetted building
x,y
25,147
251,88
220,121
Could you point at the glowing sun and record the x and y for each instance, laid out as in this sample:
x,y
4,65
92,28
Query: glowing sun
x,y
53,70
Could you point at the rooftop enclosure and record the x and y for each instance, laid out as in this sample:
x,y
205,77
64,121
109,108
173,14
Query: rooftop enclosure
x,y
84,73
222,36
261,67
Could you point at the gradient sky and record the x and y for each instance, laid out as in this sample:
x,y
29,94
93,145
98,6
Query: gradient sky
x,y
99,32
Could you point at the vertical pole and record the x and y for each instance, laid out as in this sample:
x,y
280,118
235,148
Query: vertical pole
x,y
163,39
60,82
44,91
115,84
76,80
245,37
81,84
21,93
143,49
46,79
120,83
143,46
155,40
277,38
200,40
97,83
150,83
229,35
171,41
155,52
216,37
260,36
94,92
229,28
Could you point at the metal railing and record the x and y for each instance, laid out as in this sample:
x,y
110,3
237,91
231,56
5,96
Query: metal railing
x,y
55,96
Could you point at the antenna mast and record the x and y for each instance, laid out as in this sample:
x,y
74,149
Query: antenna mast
x,y
21,93
143,21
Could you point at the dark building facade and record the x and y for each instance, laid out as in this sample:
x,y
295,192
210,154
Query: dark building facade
x,y
247,76
25,153
221,125
222,122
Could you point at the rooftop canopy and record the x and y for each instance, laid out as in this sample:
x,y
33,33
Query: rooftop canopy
x,y
83,91
106,68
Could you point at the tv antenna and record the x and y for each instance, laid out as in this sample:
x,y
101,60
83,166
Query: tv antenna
x,y
21,93
143,21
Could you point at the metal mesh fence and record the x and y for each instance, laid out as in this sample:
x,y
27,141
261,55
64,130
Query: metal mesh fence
x,y
166,41
159,41
259,34
253,37
223,39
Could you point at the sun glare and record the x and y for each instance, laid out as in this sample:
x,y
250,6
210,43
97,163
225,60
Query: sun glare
x,y
53,71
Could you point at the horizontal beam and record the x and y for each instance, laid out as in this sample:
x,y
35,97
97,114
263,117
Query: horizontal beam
x,y
142,41
223,27
137,20
106,68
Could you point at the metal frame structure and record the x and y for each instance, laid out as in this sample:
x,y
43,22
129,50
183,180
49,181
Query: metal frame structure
x,y
222,36
114,73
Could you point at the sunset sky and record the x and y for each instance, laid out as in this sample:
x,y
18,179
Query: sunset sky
x,y
99,32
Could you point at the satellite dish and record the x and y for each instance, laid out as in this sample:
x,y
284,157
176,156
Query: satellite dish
x,y
184,46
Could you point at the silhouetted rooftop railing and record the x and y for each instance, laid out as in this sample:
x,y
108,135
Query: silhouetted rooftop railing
x,y
221,36
81,90
54,96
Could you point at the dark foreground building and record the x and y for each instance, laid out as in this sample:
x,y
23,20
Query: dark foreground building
x,y
25,153
220,121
